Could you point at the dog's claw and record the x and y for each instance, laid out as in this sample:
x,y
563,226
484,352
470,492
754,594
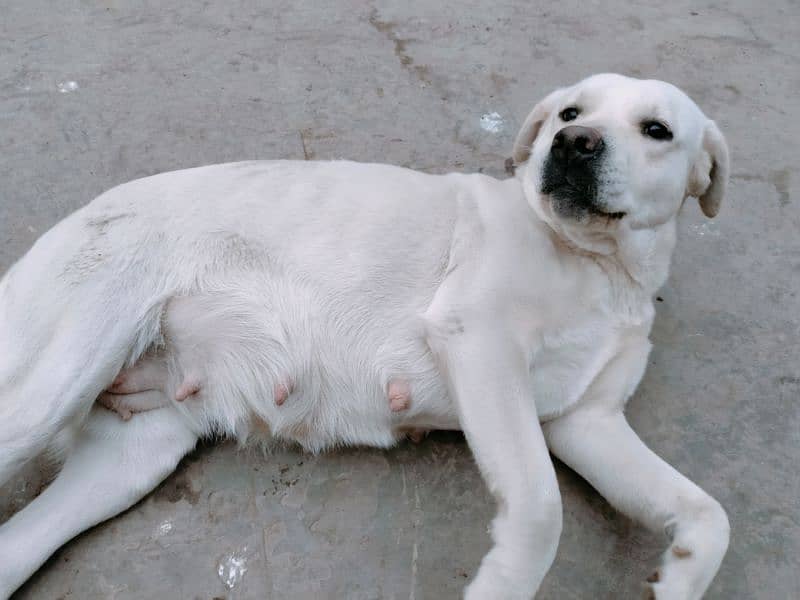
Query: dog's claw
x,y
681,552
417,435
115,404
118,382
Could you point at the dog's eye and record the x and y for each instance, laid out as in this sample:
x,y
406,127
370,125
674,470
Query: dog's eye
x,y
656,130
569,114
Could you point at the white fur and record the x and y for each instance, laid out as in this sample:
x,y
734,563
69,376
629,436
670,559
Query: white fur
x,y
334,278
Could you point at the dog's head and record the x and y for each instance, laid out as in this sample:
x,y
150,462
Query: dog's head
x,y
612,152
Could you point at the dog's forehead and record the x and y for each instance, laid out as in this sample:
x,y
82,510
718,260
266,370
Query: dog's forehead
x,y
628,92
634,98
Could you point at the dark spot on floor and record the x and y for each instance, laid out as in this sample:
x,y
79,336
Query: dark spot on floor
x,y
176,488
733,89
180,485
780,179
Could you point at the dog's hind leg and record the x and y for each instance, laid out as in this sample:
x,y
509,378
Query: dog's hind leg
x,y
58,383
149,373
54,392
138,388
54,363
126,405
112,465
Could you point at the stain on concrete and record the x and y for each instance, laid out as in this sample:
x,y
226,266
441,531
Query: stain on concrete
x,y
634,23
309,135
733,89
183,483
178,487
779,178
500,82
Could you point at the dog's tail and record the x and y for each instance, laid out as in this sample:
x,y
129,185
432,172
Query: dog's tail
x,y
61,344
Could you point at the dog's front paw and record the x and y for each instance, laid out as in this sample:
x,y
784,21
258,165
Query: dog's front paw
x,y
666,584
681,576
496,581
664,591
483,588
693,556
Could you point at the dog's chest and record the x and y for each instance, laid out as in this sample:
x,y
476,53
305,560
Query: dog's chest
x,y
565,363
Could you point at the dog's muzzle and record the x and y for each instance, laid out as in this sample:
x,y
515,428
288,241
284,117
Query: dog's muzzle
x,y
569,175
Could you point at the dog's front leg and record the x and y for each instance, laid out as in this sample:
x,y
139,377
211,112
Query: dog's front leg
x,y
488,379
596,440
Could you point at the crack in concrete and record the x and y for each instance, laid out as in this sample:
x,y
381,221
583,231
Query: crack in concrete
x,y
416,522
307,154
387,28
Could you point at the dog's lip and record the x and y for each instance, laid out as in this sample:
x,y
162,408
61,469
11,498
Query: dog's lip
x,y
592,208
615,216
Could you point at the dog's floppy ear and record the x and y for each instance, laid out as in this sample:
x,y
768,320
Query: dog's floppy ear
x,y
709,177
531,126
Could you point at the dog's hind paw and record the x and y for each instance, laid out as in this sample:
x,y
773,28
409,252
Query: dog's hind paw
x,y
417,435
115,403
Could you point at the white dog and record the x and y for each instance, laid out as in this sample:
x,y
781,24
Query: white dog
x,y
337,302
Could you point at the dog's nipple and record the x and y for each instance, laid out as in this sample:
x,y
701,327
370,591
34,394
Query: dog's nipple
x,y
189,387
282,391
399,395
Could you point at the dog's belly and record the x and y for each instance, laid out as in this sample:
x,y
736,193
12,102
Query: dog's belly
x,y
268,356
346,376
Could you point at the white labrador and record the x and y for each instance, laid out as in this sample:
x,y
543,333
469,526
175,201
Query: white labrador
x,y
336,302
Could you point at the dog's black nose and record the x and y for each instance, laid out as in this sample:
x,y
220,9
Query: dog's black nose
x,y
576,142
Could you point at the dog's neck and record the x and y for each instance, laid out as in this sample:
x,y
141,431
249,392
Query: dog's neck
x,y
636,267
646,254
636,259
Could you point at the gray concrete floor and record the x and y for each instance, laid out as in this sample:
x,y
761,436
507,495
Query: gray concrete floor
x,y
170,84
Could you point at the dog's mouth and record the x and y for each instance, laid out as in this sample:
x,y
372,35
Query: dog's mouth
x,y
611,216
574,193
